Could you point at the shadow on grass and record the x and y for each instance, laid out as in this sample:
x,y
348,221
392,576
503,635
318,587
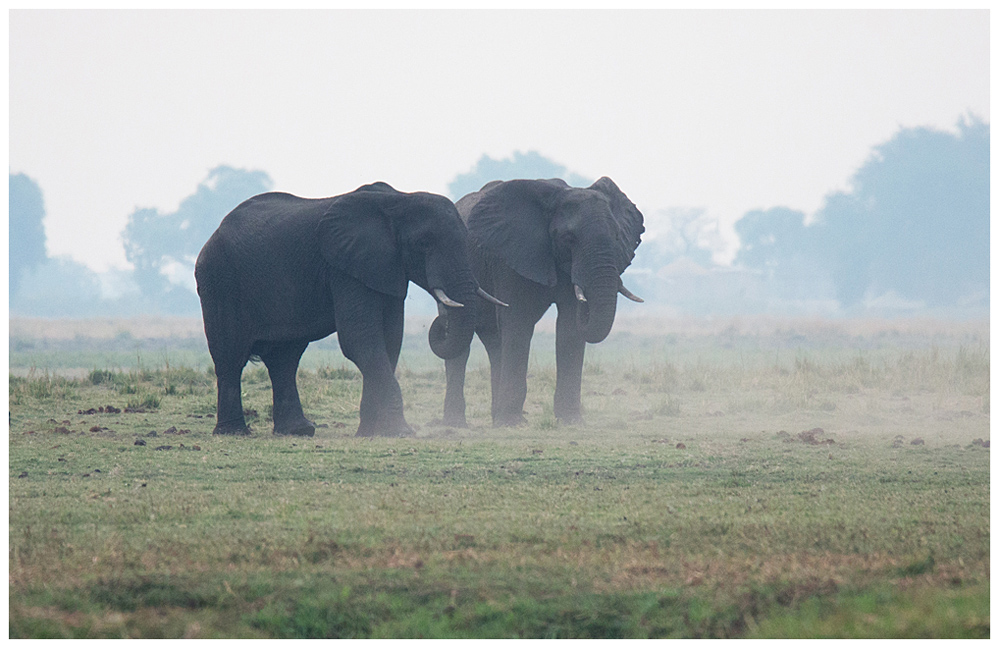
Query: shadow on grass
x,y
322,607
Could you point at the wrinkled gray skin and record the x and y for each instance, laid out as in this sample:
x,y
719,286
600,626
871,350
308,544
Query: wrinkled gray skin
x,y
282,271
535,243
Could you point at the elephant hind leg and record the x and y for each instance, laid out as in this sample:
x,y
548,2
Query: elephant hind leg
x,y
229,411
229,346
282,362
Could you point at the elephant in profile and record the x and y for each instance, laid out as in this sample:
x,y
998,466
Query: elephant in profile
x,y
282,271
534,243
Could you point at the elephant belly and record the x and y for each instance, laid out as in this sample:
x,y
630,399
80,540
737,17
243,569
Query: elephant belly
x,y
305,331
290,317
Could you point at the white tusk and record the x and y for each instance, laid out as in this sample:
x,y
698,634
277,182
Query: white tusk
x,y
579,293
489,298
629,294
445,300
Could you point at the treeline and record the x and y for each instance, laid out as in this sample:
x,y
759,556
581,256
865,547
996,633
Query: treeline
x,y
910,236
162,249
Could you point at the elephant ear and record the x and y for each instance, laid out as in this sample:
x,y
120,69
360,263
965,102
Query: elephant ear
x,y
627,221
355,237
511,219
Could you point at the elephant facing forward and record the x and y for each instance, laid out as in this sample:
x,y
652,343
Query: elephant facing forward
x,y
535,243
282,271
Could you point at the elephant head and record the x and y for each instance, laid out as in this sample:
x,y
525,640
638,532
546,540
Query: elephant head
x,y
546,230
385,239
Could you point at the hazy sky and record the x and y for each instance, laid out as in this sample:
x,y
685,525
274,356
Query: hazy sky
x,y
723,110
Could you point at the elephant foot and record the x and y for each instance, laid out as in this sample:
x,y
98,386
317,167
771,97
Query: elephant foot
x,y
509,421
454,420
301,428
229,429
569,419
399,430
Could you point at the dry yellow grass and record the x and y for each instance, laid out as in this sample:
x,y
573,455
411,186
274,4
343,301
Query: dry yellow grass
x,y
653,324
138,327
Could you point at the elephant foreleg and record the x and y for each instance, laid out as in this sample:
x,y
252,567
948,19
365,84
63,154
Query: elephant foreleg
x,y
570,347
381,410
491,341
364,342
282,361
392,327
515,341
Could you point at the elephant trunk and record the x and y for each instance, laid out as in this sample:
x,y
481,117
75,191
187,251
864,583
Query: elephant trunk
x,y
597,300
451,332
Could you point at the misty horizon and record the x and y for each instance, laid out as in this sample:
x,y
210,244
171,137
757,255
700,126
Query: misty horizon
x,y
923,197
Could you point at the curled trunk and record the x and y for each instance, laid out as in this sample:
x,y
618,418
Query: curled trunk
x,y
451,332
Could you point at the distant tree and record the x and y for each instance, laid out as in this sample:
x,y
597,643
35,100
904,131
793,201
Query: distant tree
x,y
689,233
915,223
785,253
770,238
26,246
60,287
521,165
163,247
917,220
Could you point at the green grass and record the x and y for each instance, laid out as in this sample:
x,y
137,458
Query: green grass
x,y
688,504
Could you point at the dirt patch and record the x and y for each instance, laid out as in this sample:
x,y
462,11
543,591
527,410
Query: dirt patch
x,y
814,436
100,410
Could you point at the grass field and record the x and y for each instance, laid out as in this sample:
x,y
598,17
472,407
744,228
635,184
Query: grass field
x,y
753,478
